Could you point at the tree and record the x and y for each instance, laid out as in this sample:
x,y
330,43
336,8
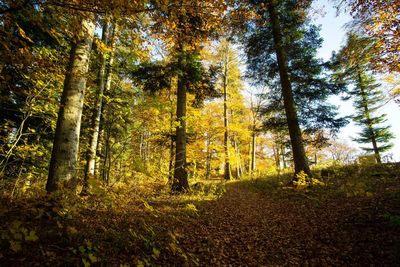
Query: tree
x,y
225,65
281,47
256,105
355,69
315,142
299,156
226,59
394,84
64,157
368,99
341,152
186,25
379,20
31,71
104,84
63,164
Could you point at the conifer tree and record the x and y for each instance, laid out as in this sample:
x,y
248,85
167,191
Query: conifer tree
x,y
281,47
355,69
185,25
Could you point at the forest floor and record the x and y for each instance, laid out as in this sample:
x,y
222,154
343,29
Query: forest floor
x,y
255,222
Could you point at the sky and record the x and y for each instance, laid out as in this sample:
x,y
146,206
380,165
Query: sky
x,y
333,33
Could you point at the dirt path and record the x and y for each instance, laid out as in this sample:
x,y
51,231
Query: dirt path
x,y
246,228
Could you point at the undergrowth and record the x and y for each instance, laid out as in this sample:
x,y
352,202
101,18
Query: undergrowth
x,y
101,227
134,223
337,181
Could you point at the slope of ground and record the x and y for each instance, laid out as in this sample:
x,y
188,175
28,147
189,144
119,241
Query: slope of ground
x,y
246,228
254,223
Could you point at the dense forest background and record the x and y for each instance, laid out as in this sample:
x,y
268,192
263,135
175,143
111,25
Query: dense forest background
x,y
107,102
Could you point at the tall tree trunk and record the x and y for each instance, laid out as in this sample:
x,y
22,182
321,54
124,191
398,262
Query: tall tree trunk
x,y
277,156
227,168
248,166
208,158
148,148
299,156
283,151
99,149
141,146
253,151
180,182
368,119
171,149
315,157
171,137
64,157
107,88
107,154
95,123
237,152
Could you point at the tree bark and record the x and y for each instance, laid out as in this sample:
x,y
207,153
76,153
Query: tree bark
x,y
107,154
171,149
208,158
108,79
237,152
95,123
227,168
253,151
299,156
99,148
277,156
283,153
180,182
63,163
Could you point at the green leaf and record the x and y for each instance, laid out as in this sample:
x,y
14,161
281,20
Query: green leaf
x,y
86,263
82,249
89,244
24,231
14,227
156,253
92,258
32,236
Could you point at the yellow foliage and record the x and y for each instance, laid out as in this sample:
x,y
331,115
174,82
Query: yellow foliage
x,y
302,180
191,207
72,230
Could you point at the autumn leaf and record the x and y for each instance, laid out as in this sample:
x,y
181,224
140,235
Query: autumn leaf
x,y
72,230
15,246
23,34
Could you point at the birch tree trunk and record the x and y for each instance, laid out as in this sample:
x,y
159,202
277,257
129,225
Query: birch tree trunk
x,y
64,157
95,123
